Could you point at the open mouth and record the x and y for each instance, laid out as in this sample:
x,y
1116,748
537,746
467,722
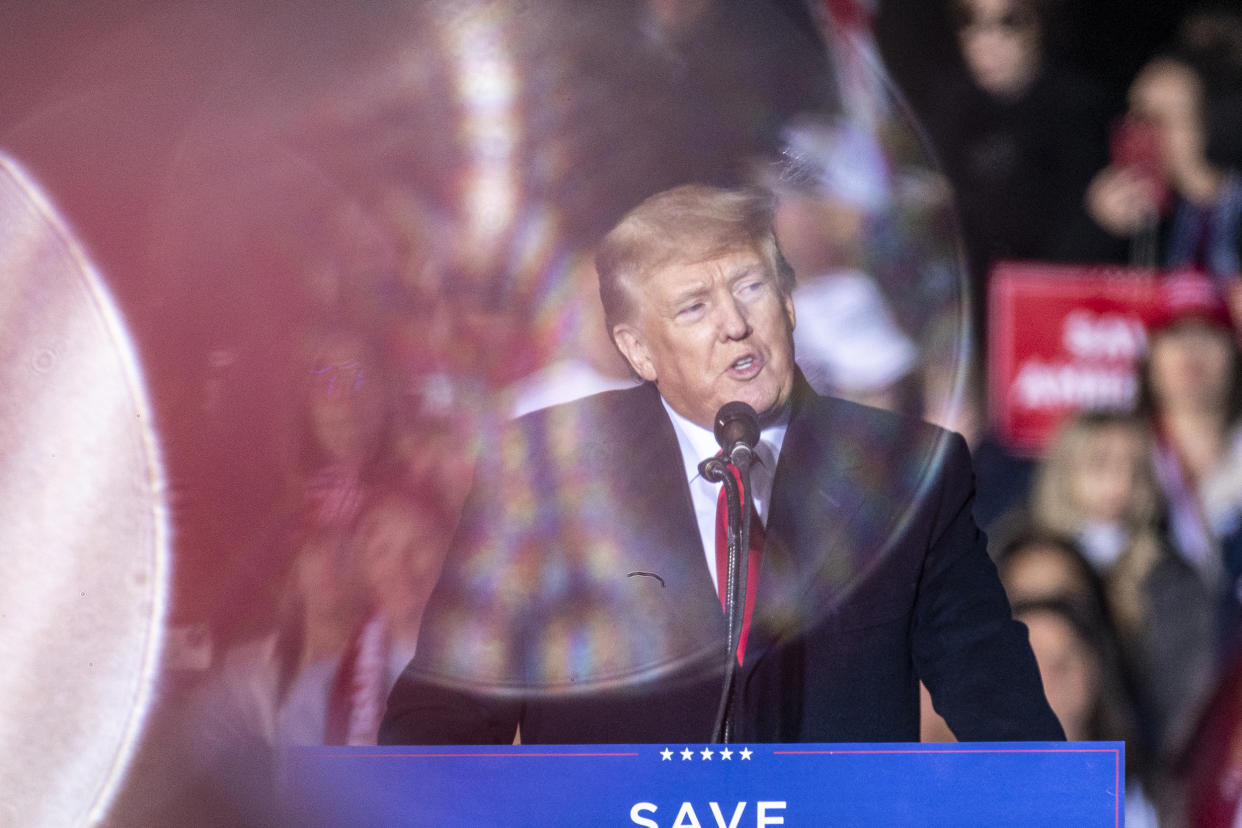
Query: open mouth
x,y
746,366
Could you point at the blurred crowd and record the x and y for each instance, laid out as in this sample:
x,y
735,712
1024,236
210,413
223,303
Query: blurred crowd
x,y
1120,545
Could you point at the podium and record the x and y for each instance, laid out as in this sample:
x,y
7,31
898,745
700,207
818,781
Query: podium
x,y
706,786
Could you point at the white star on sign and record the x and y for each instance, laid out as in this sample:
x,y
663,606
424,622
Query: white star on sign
x,y
707,753
746,753
725,753
666,755
686,754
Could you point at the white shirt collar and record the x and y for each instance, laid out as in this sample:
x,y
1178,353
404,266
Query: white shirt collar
x,y
698,443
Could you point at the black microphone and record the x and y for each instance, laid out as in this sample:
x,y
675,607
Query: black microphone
x,y
737,432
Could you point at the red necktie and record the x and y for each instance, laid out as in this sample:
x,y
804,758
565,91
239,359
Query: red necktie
x,y
754,554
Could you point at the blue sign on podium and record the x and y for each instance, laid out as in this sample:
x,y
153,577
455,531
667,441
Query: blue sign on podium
x,y
709,786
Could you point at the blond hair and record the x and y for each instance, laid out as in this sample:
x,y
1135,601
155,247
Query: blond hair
x,y
1055,508
687,224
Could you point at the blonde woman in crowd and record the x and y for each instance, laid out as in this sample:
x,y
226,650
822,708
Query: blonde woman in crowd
x,y
1095,486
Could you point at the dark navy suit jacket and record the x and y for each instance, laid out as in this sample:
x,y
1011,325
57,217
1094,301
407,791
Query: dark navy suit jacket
x,y
576,601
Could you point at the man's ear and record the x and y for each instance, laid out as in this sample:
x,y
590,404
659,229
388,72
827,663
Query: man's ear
x,y
790,314
632,347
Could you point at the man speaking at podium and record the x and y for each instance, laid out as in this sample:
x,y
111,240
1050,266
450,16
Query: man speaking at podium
x,y
581,599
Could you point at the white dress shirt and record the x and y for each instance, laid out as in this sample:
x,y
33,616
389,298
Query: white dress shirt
x,y
697,444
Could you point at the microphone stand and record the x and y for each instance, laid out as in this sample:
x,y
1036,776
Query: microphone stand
x,y
720,469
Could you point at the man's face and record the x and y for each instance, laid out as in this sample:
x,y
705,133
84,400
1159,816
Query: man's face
x,y
712,332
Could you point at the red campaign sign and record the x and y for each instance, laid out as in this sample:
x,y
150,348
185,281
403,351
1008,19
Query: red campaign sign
x,y
1062,338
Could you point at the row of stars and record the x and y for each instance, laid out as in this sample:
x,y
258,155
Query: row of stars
x,y
707,753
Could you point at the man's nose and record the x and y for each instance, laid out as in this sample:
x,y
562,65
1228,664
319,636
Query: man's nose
x,y
731,319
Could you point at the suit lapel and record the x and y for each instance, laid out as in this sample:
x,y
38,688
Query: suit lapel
x,y
806,559
665,566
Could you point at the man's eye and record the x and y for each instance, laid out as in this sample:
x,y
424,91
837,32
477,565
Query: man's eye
x,y
692,310
751,287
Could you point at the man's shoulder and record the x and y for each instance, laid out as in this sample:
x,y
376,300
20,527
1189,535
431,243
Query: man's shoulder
x,y
619,406
848,416
600,430
857,435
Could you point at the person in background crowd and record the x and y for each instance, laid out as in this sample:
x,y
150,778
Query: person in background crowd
x,y
437,452
1211,781
1095,485
1192,392
348,623
1063,601
273,689
1085,686
397,548
350,427
350,473
1173,189
833,188
1055,592
851,345
1070,664
1038,565
1019,137
340,454
585,360
270,689
834,184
